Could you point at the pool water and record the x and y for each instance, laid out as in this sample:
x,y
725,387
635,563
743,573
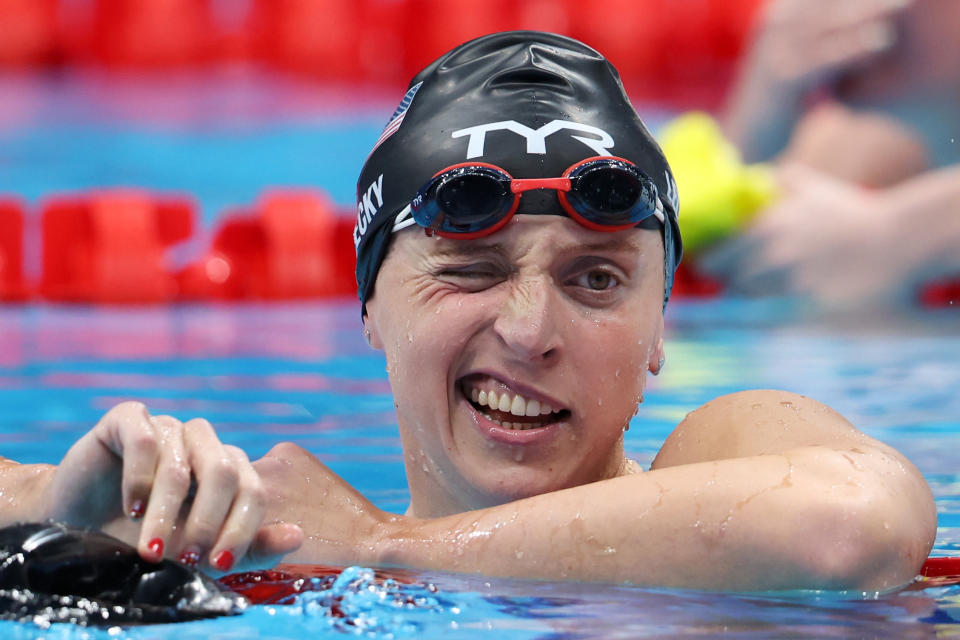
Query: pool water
x,y
302,372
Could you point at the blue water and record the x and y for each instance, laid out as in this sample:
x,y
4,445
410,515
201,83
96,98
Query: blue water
x,y
302,372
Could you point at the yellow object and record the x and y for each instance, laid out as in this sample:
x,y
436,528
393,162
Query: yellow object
x,y
718,193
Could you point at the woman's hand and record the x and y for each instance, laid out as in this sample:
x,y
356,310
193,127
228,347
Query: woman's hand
x,y
845,248
171,486
343,527
800,46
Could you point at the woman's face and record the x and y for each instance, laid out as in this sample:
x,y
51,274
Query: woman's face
x,y
545,319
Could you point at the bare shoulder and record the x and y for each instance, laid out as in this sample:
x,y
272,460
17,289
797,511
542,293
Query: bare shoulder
x,y
757,422
834,471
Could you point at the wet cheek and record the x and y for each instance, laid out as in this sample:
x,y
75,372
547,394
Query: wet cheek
x,y
620,358
419,360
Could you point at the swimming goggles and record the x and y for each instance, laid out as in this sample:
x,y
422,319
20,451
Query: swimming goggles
x,y
475,199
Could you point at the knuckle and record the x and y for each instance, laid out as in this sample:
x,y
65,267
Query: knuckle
x,y
166,425
144,441
129,406
200,422
224,472
236,453
257,495
195,425
178,477
129,409
202,529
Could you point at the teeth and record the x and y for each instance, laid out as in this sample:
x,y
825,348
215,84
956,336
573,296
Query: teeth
x,y
513,426
533,408
514,404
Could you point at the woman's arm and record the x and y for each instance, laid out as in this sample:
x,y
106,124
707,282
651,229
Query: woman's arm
x,y
758,490
879,247
22,487
798,48
169,487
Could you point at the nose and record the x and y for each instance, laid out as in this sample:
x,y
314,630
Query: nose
x,y
527,321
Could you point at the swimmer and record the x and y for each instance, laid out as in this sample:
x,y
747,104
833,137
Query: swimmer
x,y
855,104
516,239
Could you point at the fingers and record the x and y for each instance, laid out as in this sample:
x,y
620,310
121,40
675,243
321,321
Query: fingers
x,y
272,542
244,540
815,17
168,490
238,520
217,475
197,500
808,41
83,490
140,450
225,516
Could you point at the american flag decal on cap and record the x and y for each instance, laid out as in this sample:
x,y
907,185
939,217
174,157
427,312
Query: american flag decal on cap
x,y
397,118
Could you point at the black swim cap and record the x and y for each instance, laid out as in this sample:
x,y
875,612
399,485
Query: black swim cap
x,y
533,103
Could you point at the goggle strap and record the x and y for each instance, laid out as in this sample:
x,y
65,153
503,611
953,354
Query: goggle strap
x,y
657,213
405,219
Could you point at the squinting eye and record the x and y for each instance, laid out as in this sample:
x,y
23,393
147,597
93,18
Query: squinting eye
x,y
473,272
596,280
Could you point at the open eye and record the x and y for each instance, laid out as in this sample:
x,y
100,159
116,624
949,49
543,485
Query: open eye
x,y
596,280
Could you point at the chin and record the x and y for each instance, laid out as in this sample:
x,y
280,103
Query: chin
x,y
515,483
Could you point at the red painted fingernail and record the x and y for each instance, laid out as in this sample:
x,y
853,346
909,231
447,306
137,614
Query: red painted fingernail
x,y
223,560
136,509
189,557
156,546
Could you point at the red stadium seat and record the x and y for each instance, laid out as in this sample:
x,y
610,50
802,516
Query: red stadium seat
x,y
144,34
668,52
292,245
316,37
12,285
28,32
110,246
690,283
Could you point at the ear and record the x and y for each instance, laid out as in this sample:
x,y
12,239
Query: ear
x,y
370,329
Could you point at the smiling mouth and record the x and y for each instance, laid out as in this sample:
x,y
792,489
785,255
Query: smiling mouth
x,y
510,410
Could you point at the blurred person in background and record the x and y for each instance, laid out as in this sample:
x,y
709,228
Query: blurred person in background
x,y
857,105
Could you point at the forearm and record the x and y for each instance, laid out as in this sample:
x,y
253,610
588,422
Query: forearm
x,y
932,198
22,487
760,116
768,522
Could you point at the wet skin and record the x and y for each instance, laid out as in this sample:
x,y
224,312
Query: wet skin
x,y
545,309
755,490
